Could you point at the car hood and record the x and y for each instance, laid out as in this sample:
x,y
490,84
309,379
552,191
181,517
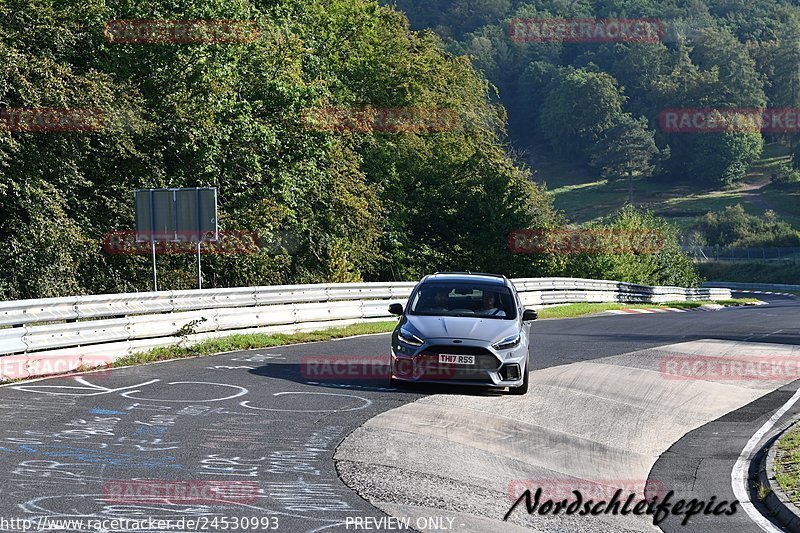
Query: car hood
x,y
456,327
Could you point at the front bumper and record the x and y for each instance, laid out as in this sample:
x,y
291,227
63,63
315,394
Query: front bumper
x,y
492,368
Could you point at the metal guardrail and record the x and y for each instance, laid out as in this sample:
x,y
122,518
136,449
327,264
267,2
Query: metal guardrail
x,y
93,330
753,286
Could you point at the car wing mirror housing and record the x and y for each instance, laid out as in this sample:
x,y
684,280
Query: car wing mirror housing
x,y
529,314
396,309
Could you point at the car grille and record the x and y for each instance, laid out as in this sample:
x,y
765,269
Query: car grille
x,y
429,360
459,350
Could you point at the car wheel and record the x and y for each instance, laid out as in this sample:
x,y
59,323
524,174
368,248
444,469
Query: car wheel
x,y
522,389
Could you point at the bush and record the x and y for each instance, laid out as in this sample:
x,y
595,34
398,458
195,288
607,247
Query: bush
x,y
735,228
786,176
668,266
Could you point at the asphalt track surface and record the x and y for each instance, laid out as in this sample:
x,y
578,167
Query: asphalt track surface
x,y
254,426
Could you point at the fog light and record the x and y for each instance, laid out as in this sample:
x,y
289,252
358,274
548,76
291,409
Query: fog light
x,y
510,372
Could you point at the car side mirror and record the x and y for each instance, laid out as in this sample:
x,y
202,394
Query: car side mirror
x,y
529,314
396,309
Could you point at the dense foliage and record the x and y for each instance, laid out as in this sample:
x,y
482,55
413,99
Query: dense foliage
x,y
662,264
714,53
333,206
735,228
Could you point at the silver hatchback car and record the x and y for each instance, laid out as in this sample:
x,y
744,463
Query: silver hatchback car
x,y
465,329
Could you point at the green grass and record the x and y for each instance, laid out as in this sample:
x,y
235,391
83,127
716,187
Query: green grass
x,y
787,456
698,204
595,199
786,201
236,342
557,173
583,197
251,342
734,302
773,156
582,309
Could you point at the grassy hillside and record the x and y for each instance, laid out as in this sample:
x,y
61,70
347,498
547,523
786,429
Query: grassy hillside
x,y
590,110
584,198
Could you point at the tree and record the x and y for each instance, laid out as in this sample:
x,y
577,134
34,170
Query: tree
x,y
350,206
738,82
779,61
627,149
534,88
723,158
468,15
635,66
710,158
581,105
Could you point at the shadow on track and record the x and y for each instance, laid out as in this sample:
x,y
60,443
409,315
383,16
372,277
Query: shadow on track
x,y
370,379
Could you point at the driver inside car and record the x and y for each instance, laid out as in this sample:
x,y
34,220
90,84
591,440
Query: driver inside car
x,y
491,305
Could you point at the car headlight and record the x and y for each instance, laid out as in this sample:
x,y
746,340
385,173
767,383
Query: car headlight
x,y
507,343
409,338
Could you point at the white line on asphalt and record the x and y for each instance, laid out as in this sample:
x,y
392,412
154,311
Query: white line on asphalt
x,y
366,401
752,335
739,472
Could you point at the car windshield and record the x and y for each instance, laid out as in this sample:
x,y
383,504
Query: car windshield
x,y
464,299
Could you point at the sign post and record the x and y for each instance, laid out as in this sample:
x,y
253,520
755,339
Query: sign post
x,y
176,215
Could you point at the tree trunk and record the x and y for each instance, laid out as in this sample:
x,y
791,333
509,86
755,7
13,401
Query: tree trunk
x,y
630,187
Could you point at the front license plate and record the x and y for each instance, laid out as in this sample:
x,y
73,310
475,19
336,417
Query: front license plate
x,y
456,359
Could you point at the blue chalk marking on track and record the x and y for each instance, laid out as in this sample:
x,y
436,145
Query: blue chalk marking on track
x,y
105,412
95,456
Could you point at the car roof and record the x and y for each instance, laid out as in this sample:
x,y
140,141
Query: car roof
x,y
493,279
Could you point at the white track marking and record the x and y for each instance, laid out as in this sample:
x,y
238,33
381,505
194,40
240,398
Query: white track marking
x,y
242,392
367,403
98,390
739,472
